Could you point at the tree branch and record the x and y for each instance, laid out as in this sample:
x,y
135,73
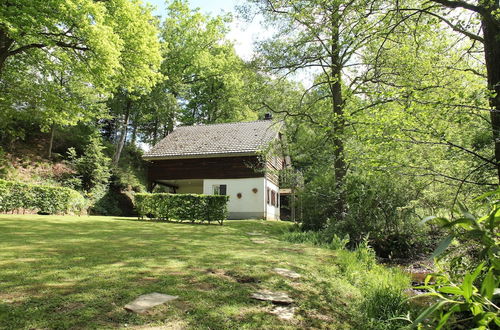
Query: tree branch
x,y
454,27
24,48
40,46
461,4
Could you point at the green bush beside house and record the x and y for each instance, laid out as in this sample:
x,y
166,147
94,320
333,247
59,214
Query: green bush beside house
x,y
191,207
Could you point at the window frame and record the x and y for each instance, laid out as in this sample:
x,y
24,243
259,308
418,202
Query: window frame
x,y
219,189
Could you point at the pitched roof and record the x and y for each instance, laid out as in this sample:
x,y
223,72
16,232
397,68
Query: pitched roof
x,y
215,139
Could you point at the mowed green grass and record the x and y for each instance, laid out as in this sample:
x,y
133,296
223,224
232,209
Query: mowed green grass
x,y
78,272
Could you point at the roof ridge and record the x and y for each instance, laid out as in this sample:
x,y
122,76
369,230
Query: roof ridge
x,y
231,123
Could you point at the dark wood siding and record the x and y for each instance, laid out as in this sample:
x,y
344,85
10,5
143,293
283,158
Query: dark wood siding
x,y
274,164
206,168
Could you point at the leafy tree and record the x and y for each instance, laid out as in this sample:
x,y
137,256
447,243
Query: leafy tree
x,y
208,78
59,60
207,82
320,38
93,166
404,112
479,21
113,42
416,105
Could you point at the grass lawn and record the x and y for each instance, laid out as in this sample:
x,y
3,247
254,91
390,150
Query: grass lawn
x,y
79,272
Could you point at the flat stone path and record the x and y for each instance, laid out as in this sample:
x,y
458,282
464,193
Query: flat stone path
x,y
287,272
275,297
260,241
147,301
284,312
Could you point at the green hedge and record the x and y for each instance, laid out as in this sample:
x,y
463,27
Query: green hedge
x,y
39,198
182,207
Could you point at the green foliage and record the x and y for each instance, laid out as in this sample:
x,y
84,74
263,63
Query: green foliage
x,y
128,177
4,163
472,298
312,237
417,128
384,211
379,208
472,301
93,166
43,199
320,238
130,174
423,115
182,206
207,77
60,60
113,43
110,203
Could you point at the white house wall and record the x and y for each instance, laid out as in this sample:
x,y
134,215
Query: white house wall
x,y
251,205
272,212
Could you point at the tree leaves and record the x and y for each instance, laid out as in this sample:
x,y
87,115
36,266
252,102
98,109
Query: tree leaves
x,y
84,50
443,245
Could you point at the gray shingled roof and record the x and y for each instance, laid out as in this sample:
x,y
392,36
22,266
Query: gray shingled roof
x,y
229,138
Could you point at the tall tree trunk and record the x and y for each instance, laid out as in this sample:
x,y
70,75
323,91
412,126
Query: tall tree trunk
x,y
491,33
51,142
123,135
339,166
134,134
5,44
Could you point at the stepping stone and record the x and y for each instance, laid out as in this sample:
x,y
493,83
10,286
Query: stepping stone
x,y
254,234
287,273
148,301
275,297
284,312
259,241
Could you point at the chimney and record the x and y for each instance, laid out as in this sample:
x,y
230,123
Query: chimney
x,y
268,116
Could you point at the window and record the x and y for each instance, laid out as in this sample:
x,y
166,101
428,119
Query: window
x,y
268,196
273,198
219,189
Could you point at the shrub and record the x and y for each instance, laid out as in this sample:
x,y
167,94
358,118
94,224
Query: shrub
x,y
44,199
379,208
182,206
131,172
93,166
4,163
108,204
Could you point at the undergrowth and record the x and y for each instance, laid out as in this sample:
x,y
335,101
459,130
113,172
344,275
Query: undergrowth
x,y
383,304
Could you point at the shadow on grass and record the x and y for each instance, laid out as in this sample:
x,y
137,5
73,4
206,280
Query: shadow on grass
x,y
59,272
79,272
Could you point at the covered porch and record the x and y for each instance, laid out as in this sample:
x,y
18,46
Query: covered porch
x,y
182,186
